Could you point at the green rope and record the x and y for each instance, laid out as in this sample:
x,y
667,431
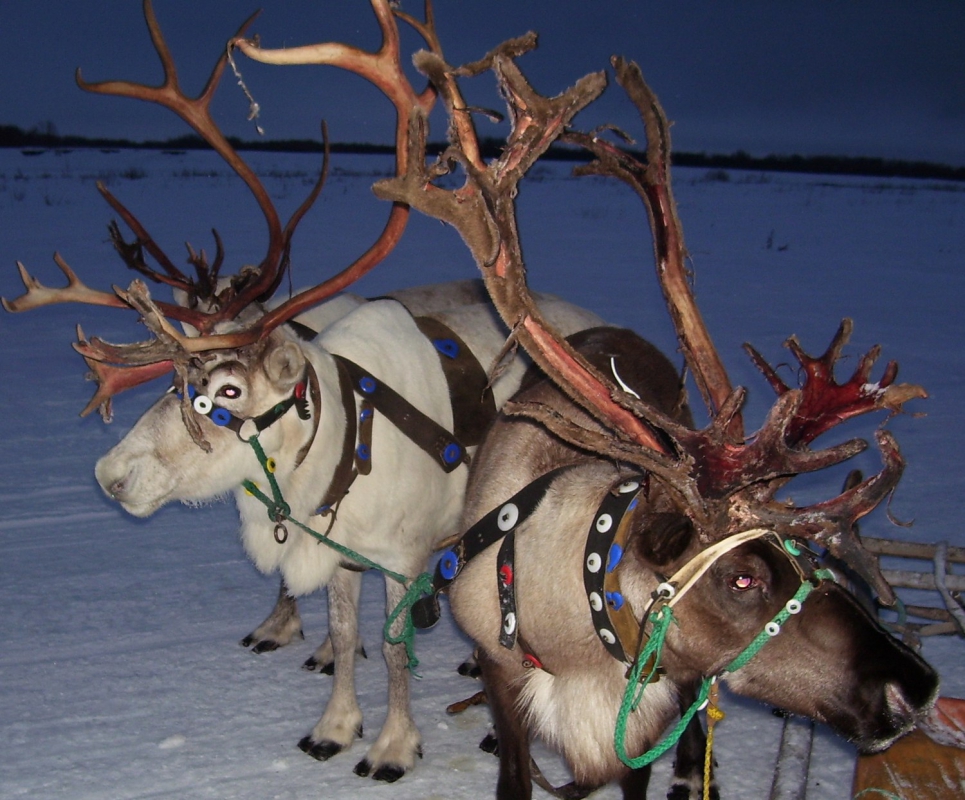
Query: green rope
x,y
637,684
416,588
633,694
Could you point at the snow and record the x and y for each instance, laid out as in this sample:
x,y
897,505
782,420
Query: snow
x,y
120,674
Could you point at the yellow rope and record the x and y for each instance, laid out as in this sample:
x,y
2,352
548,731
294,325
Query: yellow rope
x,y
714,715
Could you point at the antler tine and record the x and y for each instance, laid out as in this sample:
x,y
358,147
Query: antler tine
x,y
143,240
825,402
112,380
76,291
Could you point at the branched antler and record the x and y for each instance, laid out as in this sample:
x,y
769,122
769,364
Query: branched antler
x,y
723,480
207,305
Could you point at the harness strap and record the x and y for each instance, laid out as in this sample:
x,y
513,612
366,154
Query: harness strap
x,y
494,526
473,404
613,617
424,431
506,585
345,473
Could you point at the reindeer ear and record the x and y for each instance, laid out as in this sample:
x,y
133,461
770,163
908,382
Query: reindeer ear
x,y
661,537
284,365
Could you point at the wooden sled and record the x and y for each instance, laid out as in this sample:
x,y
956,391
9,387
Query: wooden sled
x,y
927,764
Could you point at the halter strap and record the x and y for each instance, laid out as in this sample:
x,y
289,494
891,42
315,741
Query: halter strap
x,y
246,427
345,471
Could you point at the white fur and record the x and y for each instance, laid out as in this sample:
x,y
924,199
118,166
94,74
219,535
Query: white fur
x,y
394,516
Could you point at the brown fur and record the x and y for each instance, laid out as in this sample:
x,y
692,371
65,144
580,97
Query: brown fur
x,y
831,662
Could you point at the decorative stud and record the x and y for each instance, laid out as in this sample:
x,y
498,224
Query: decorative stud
x,y
628,486
607,635
367,385
452,453
772,628
509,623
508,517
202,404
793,606
594,562
447,347
596,602
603,523
449,565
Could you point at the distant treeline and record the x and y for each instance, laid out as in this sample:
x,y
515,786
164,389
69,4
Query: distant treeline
x,y
35,140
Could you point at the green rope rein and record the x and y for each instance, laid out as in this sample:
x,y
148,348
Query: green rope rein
x,y
279,510
637,684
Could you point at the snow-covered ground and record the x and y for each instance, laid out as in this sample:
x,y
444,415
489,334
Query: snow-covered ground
x,y
120,672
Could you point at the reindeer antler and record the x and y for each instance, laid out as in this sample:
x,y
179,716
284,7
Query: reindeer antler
x,y
724,481
252,284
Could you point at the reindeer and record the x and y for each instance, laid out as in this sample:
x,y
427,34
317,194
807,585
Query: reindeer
x,y
615,561
362,436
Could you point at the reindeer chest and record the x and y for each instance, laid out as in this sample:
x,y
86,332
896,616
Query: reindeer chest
x,y
612,616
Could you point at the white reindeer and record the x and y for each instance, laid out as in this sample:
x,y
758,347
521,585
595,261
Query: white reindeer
x,y
393,516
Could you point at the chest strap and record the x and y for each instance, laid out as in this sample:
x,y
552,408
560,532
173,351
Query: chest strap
x,y
447,451
495,526
473,404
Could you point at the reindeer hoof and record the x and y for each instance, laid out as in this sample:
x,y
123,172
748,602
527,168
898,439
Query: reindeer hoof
x,y
490,744
388,773
323,669
266,646
320,751
469,669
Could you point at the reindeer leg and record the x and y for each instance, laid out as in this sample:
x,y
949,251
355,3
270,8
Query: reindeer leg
x,y
515,779
688,770
342,721
399,742
279,628
635,783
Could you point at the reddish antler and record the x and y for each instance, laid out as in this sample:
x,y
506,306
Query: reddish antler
x,y
724,481
206,307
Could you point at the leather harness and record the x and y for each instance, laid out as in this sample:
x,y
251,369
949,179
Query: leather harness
x,y
473,410
614,620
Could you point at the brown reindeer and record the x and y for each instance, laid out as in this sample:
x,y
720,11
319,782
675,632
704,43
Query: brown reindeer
x,y
616,559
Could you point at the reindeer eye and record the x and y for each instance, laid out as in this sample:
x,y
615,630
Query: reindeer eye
x,y
230,392
743,582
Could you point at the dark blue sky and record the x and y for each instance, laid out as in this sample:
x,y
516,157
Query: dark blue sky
x,y
849,77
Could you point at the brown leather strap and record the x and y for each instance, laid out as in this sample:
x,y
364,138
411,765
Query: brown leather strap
x,y
473,404
421,429
345,472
